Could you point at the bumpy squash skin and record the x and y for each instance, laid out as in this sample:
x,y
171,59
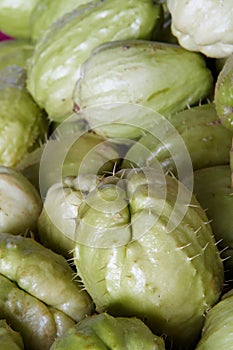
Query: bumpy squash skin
x,y
212,187
217,329
54,67
163,77
207,141
132,266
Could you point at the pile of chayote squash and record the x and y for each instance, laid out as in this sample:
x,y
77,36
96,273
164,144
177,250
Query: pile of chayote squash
x,y
116,175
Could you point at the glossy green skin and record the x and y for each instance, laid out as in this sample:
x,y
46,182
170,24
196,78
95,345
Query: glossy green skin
x,y
62,321
163,77
29,316
132,266
217,330
43,274
23,123
15,17
207,141
18,193
46,12
57,227
223,94
102,332
10,339
55,65
212,187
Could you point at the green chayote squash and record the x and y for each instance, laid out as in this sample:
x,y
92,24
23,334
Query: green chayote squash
x,y
217,330
144,248
57,227
15,17
70,152
163,77
35,321
61,139
43,274
10,339
23,123
223,93
103,331
46,12
212,187
20,202
71,149
55,64
206,141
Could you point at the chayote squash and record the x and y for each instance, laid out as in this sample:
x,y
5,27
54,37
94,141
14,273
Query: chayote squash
x,y
23,123
205,26
43,274
144,248
205,141
46,12
103,331
223,93
20,202
71,150
55,64
163,77
37,323
213,189
217,330
57,227
15,17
